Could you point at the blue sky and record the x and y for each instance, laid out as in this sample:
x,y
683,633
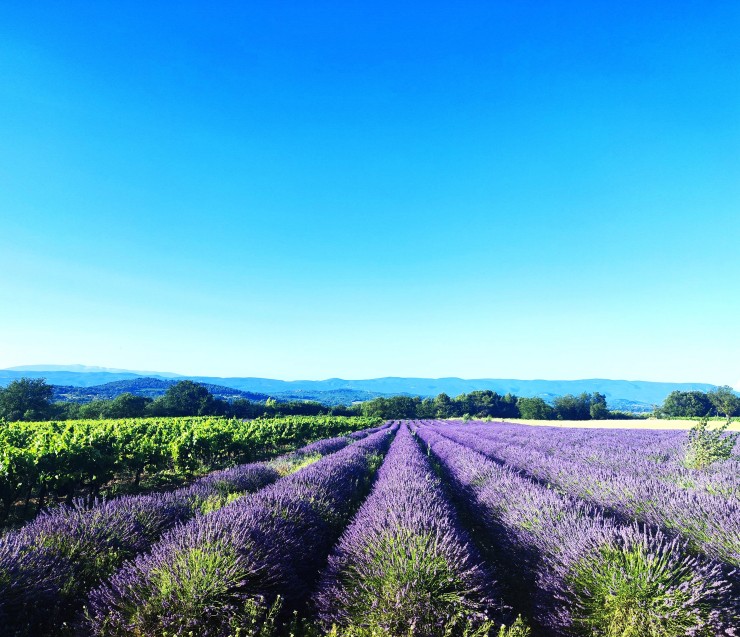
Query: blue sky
x,y
306,190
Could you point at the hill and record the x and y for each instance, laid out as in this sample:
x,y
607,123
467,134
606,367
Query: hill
x,y
620,394
146,386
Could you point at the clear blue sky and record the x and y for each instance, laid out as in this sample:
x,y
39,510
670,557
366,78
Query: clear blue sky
x,y
314,189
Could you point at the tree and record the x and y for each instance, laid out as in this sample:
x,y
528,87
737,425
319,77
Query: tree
x,y
725,401
26,399
391,408
687,404
443,406
570,407
187,398
534,409
426,409
486,404
598,409
127,405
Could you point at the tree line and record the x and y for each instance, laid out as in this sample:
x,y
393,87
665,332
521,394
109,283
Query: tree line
x,y
489,404
722,402
30,399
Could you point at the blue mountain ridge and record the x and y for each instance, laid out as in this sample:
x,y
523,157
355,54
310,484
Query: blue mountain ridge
x,y
617,392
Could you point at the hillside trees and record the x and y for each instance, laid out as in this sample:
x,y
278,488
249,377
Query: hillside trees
x,y
584,407
26,399
725,401
186,398
691,404
535,409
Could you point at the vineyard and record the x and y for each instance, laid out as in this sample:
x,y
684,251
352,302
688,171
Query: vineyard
x,y
411,528
52,461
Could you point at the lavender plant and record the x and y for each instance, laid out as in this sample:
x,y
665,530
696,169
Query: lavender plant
x,y
626,485
212,575
405,566
67,551
586,573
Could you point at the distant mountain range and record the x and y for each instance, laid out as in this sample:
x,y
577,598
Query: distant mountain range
x,y
77,382
153,387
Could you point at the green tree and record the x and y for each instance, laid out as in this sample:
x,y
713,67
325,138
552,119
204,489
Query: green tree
x,y
426,409
128,405
597,408
187,398
535,409
687,404
725,401
391,408
570,407
443,406
26,399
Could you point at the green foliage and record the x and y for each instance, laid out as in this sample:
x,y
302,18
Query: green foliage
x,y
597,407
411,574
477,404
185,398
457,625
583,407
631,593
26,399
393,408
725,401
485,404
193,585
518,629
535,409
692,404
46,460
706,446
443,406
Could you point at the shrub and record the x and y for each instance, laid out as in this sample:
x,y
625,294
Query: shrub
x,y
706,446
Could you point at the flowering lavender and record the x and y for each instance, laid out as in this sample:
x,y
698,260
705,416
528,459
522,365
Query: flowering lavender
x,y
356,435
404,566
209,575
624,481
63,553
586,574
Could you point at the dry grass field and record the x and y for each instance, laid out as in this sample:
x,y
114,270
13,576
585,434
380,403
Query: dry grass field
x,y
649,423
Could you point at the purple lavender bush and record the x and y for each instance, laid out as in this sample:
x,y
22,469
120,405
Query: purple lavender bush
x,y
223,572
607,471
405,566
62,554
587,574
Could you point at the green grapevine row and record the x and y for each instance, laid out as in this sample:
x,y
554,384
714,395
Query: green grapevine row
x,y
53,460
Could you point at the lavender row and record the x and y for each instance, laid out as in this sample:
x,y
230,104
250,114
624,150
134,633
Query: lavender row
x,y
55,559
583,573
658,454
404,565
711,523
224,571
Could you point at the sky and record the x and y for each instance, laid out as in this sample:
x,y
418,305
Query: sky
x,y
304,190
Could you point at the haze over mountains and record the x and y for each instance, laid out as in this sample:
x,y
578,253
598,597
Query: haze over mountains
x,y
104,382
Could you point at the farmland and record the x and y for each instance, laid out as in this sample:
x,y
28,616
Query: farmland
x,y
425,528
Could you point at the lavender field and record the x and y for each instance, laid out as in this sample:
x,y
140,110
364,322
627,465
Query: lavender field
x,y
415,528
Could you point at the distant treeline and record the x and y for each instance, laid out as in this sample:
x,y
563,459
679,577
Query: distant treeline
x,y
489,404
30,399
696,404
